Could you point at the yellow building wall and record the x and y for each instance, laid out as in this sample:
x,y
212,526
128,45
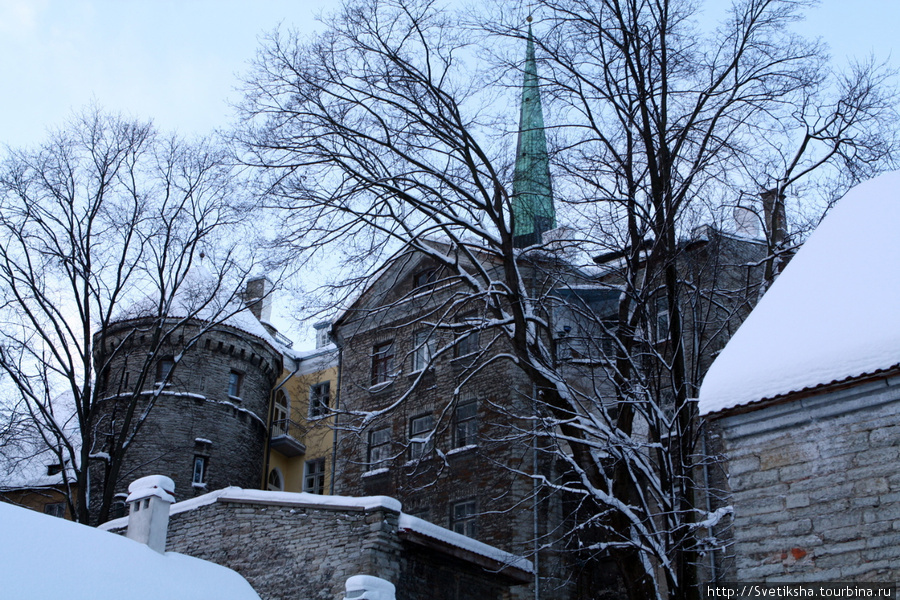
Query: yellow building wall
x,y
319,433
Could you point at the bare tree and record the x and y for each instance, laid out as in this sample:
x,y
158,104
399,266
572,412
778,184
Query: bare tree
x,y
103,228
379,133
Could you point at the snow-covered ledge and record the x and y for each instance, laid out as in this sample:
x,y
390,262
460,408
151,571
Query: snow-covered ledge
x,y
149,499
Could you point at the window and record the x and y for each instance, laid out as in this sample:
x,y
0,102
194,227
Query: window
x,y
424,277
56,509
661,320
234,384
382,362
420,430
200,466
319,398
164,368
281,415
314,476
275,482
462,518
118,506
423,350
468,343
54,469
465,426
379,448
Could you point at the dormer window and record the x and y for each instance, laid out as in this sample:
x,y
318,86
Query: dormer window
x,y
424,277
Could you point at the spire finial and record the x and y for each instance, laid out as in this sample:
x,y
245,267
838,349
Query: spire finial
x,y
529,19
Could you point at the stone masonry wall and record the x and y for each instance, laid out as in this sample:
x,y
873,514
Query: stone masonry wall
x,y
815,487
290,552
195,415
295,551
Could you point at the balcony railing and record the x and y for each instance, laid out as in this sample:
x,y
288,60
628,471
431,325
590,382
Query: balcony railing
x,y
287,438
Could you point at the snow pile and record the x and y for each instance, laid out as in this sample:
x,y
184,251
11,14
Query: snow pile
x,y
47,557
834,313
436,532
151,485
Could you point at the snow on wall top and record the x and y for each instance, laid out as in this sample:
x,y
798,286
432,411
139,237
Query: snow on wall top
x,y
48,557
363,502
833,314
452,538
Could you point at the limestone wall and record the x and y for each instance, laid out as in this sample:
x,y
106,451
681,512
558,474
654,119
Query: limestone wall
x,y
815,487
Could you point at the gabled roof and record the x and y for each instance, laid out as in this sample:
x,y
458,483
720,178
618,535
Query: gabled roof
x,y
832,316
48,557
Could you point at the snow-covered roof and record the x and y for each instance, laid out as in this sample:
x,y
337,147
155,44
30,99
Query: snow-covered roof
x,y
48,557
436,532
407,522
200,296
832,315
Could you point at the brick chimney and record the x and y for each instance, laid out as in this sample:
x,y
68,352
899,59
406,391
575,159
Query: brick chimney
x,y
258,297
149,499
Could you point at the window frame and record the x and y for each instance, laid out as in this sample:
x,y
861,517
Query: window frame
x,y
235,383
468,343
317,406
164,368
423,351
277,473
382,362
376,447
464,522
464,423
314,480
418,425
425,277
55,509
203,463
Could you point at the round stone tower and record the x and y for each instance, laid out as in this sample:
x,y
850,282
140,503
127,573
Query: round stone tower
x,y
209,384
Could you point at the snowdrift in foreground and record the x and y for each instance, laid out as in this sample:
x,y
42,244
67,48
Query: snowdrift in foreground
x,y
832,315
47,557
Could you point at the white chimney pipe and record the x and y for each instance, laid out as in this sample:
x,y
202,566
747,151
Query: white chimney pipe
x,y
149,499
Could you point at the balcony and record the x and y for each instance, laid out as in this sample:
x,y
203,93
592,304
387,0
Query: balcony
x,y
286,436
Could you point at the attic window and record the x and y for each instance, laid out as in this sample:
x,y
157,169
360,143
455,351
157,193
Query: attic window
x,y
424,277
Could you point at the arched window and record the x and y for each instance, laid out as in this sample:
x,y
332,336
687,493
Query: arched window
x,y
276,483
282,414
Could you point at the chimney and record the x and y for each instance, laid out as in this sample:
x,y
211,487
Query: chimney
x,y
149,499
773,213
367,587
258,298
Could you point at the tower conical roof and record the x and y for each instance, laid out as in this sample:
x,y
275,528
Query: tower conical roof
x,y
532,203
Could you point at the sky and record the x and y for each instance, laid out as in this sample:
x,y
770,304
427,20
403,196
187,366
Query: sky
x,y
178,62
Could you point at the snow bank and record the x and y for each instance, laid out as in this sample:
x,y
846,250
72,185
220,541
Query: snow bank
x,y
47,557
834,313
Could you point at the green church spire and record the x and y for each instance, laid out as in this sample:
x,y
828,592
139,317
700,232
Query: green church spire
x,y
532,202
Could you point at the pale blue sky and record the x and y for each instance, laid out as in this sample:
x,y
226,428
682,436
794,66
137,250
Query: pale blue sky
x,y
177,61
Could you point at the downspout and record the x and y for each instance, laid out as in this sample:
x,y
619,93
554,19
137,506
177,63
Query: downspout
x,y
337,404
265,474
